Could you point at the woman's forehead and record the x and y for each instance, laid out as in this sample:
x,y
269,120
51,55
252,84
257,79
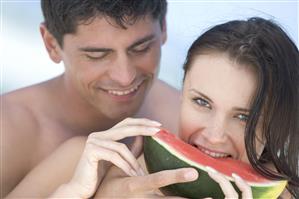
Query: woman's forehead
x,y
219,77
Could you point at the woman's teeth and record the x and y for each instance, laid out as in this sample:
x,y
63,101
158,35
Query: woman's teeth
x,y
125,92
214,154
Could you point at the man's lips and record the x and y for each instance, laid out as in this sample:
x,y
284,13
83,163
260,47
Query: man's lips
x,y
123,92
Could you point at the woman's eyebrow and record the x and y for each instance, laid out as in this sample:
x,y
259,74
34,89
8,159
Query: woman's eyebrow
x,y
200,93
241,109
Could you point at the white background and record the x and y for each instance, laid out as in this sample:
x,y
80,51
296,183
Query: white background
x,y
24,60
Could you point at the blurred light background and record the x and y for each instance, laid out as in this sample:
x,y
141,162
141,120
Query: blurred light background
x,y
24,60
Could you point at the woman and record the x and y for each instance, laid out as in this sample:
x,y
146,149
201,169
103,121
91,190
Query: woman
x,y
240,100
242,80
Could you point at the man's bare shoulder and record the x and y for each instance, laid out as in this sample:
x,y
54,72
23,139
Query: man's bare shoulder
x,y
19,128
17,113
19,107
18,116
160,85
161,94
162,104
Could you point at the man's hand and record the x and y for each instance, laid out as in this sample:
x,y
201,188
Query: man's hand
x,y
117,184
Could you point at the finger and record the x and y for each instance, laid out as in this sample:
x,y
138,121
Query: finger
x,y
96,153
243,186
137,121
161,179
137,146
148,196
127,131
122,150
225,184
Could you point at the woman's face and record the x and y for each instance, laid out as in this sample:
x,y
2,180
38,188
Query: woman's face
x,y
216,101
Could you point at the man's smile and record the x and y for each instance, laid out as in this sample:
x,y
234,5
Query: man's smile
x,y
124,92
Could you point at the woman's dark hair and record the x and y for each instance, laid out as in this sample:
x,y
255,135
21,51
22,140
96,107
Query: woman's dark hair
x,y
262,44
63,16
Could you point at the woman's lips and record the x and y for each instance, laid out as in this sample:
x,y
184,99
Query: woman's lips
x,y
212,153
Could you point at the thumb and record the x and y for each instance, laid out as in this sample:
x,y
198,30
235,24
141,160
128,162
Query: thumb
x,y
137,146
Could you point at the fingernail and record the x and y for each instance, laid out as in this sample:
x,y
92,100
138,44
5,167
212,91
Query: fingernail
x,y
210,169
154,130
156,123
191,175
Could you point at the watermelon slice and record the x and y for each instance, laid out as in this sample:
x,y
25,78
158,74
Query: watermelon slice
x,y
164,151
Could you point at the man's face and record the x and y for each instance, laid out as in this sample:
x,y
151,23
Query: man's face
x,y
112,68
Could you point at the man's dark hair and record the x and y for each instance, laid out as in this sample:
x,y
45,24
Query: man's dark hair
x,y
63,16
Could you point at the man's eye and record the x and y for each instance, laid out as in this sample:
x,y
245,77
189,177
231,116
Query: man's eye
x,y
141,48
242,117
96,56
202,102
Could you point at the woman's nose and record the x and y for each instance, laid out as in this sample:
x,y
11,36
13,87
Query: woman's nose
x,y
215,130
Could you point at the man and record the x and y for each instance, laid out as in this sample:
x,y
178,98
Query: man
x,y
111,52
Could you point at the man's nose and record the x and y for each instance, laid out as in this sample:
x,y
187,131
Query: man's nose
x,y
123,70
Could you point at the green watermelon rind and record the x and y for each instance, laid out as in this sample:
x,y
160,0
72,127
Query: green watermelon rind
x,y
156,150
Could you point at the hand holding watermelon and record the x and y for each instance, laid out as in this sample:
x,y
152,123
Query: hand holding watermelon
x,y
142,186
226,186
105,146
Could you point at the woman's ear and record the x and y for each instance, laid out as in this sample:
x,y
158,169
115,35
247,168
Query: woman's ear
x,y
51,44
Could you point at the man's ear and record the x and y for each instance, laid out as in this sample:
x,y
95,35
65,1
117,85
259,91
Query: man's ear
x,y
51,44
164,31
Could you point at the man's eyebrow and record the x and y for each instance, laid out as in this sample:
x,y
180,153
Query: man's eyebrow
x,y
201,94
143,40
95,49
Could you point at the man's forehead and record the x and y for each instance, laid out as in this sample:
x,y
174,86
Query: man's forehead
x,y
102,33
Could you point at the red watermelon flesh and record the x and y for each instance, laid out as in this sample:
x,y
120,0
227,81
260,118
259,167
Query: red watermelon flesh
x,y
226,166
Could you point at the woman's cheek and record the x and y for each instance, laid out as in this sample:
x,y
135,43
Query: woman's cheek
x,y
189,123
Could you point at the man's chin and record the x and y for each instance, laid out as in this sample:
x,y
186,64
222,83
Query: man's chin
x,y
120,114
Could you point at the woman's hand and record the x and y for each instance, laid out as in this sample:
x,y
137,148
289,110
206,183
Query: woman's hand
x,y
117,184
227,187
104,146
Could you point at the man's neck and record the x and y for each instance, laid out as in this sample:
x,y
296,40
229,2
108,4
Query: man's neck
x,y
75,113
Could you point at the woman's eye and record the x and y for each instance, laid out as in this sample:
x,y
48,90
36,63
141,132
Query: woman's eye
x,y
242,117
202,102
